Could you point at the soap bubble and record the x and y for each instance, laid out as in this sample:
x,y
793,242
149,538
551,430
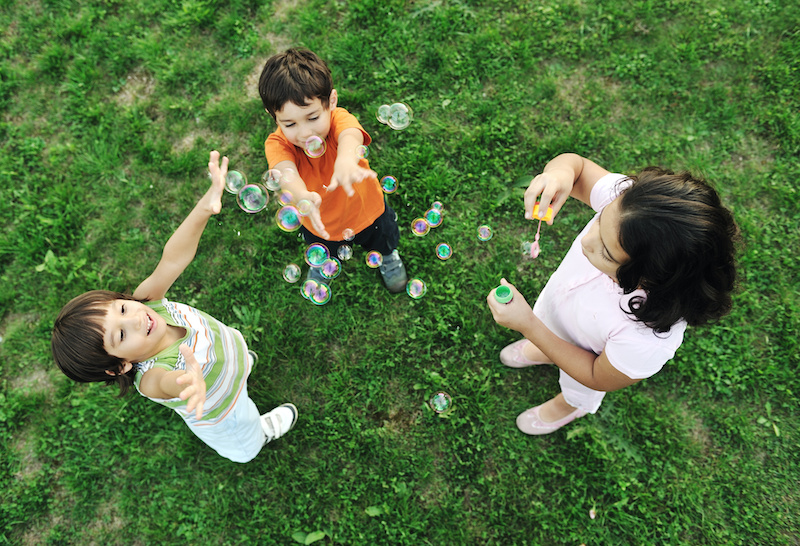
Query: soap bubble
x,y
400,116
441,402
444,251
315,146
344,252
321,294
438,206
288,218
389,184
304,207
331,268
433,217
531,249
348,235
374,259
420,227
252,198
272,179
308,287
234,181
291,273
362,152
316,254
285,197
484,233
416,288
383,113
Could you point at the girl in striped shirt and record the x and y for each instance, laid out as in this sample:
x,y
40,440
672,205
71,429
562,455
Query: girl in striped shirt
x,y
172,353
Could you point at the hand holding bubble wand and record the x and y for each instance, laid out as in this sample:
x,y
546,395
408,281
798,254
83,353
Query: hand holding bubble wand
x,y
554,191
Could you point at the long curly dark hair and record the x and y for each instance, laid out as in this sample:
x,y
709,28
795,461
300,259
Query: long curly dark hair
x,y
682,243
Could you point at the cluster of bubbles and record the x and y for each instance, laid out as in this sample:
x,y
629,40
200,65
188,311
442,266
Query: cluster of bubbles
x,y
318,293
398,116
251,198
433,217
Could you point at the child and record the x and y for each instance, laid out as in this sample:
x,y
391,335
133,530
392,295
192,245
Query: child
x,y
658,255
174,354
346,200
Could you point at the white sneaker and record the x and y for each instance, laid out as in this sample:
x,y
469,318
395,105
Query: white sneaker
x,y
279,421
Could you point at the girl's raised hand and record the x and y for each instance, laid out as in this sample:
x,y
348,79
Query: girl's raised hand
x,y
554,190
218,172
195,391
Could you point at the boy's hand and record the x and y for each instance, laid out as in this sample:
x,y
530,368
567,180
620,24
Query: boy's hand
x,y
515,314
218,171
347,172
314,214
195,392
554,191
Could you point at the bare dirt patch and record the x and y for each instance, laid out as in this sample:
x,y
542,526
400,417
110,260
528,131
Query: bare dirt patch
x,y
139,85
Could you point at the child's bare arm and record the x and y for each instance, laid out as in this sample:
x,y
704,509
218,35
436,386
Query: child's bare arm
x,y
294,184
182,245
347,170
187,384
564,176
596,372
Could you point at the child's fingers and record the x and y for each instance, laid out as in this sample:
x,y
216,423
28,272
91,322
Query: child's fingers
x,y
334,183
531,194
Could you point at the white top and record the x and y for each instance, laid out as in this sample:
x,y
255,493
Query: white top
x,y
583,306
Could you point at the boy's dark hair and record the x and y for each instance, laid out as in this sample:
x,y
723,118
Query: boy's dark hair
x,y
296,75
77,341
682,244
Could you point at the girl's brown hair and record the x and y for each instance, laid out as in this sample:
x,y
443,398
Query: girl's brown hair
x,y
77,341
682,244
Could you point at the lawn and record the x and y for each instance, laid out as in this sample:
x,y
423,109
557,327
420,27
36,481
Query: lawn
x,y
108,110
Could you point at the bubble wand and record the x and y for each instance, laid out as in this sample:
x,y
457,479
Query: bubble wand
x,y
533,249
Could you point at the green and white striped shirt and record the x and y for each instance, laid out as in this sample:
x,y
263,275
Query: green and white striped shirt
x,y
220,350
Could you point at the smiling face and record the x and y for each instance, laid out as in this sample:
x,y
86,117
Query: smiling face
x,y
134,332
298,123
601,244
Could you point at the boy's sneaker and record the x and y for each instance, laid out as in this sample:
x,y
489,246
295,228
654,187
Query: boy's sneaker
x,y
279,421
393,272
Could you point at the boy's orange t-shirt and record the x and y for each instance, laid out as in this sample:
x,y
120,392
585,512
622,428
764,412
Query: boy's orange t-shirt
x,y
338,211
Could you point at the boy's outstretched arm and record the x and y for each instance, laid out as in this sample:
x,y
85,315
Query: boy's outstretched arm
x,y
347,170
182,245
291,182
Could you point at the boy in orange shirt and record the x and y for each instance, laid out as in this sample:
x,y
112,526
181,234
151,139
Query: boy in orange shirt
x,y
347,203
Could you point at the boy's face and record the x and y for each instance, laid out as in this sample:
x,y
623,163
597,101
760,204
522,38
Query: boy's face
x,y
299,123
133,332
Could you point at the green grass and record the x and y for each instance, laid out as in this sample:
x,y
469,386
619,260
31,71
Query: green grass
x,y
107,112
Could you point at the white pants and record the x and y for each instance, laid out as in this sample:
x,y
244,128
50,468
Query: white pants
x,y
239,437
578,395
